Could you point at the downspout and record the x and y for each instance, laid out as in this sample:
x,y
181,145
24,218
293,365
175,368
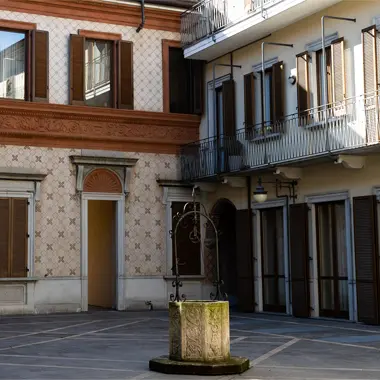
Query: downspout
x,y
141,26
251,240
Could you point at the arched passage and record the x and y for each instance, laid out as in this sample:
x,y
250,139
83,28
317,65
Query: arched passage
x,y
225,214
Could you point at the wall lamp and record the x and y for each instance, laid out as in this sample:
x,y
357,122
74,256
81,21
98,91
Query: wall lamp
x,y
260,195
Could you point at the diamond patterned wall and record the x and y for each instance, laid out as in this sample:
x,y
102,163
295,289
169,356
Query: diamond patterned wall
x,y
147,56
57,214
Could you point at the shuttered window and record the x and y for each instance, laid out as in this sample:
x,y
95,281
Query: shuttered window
x,y
24,65
101,72
13,237
229,110
185,83
370,61
188,249
338,70
299,259
249,101
303,97
366,258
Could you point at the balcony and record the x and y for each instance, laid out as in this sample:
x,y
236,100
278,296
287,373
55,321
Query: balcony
x,y
212,28
351,126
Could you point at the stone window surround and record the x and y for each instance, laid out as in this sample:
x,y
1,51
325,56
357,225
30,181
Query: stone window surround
x,y
312,200
23,183
176,193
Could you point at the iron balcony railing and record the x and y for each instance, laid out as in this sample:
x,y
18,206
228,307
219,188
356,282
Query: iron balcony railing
x,y
318,132
207,17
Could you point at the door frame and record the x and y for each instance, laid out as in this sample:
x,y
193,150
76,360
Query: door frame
x,y
120,262
257,207
312,200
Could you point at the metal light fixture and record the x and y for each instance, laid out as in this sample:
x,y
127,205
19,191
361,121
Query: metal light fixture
x,y
260,195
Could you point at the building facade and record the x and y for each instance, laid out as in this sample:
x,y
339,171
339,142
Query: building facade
x,y
288,151
90,132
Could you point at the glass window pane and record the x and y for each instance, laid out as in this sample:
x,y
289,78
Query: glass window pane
x,y
269,241
98,66
343,295
280,241
340,227
12,65
327,294
325,242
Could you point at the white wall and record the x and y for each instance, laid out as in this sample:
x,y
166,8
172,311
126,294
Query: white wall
x,y
301,34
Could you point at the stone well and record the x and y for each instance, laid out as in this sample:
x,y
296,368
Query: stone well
x,y
199,341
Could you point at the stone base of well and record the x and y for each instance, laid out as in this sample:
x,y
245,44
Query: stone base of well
x,y
232,366
199,331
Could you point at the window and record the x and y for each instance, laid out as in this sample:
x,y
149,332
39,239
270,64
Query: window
x,y
12,68
98,65
23,62
321,95
182,80
188,252
13,237
101,70
270,100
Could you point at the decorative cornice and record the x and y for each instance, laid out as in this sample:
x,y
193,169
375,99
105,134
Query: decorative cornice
x,y
98,11
38,124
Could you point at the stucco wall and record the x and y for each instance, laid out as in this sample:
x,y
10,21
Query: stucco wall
x,y
300,34
147,56
57,213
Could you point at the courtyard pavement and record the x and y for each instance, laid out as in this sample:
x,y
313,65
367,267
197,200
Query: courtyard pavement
x,y
115,345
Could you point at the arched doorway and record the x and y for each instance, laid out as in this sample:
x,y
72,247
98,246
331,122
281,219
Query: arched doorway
x,y
224,212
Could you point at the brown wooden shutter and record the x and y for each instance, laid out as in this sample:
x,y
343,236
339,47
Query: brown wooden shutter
x,y
228,92
366,258
249,99
4,237
197,68
40,79
338,70
299,259
19,237
126,75
369,58
77,69
29,65
244,261
303,98
277,94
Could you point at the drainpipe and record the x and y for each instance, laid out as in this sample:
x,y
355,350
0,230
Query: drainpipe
x,y
324,69
141,26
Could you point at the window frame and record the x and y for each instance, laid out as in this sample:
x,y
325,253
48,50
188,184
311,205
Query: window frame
x,y
319,73
26,28
30,197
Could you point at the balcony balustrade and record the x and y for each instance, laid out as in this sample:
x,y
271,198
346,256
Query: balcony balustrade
x,y
328,130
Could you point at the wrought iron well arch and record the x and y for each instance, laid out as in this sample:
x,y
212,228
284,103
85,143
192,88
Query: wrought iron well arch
x,y
195,236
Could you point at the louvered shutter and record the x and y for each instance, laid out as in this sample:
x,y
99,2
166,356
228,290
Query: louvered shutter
x,y
249,99
369,37
4,237
29,65
77,69
369,42
126,75
338,70
197,86
40,66
277,95
303,86
228,91
366,258
299,259
244,261
19,237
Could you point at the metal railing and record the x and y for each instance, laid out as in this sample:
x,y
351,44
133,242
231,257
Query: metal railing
x,y
209,16
203,19
318,132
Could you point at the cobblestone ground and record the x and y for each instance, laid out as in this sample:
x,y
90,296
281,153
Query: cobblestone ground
x,y
114,345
